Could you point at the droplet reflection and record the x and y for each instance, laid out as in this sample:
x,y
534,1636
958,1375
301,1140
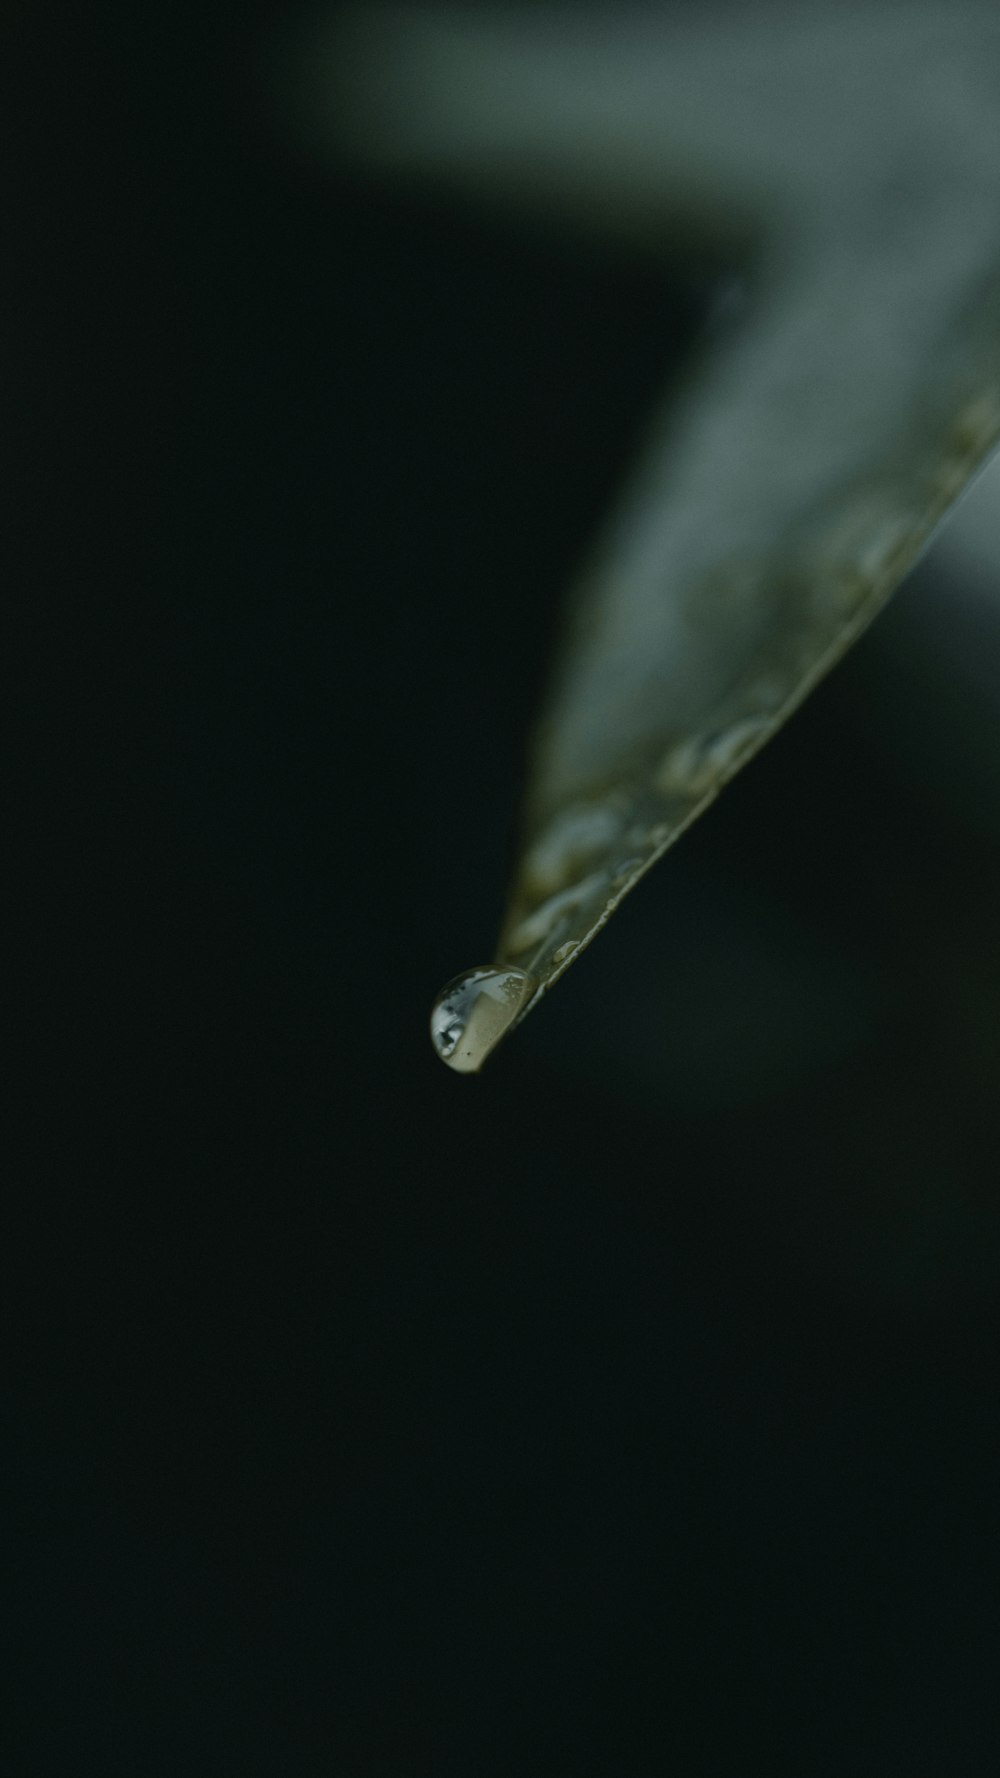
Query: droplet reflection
x,y
474,1011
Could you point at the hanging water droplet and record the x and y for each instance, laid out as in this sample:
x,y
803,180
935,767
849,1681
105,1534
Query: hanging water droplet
x,y
474,1011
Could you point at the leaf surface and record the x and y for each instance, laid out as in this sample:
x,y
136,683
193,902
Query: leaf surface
x,y
844,167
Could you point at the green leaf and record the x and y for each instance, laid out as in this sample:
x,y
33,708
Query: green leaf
x,y
844,168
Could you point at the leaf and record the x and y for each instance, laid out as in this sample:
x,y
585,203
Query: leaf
x,y
846,169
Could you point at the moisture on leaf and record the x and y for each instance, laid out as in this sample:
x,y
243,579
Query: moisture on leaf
x,y
843,166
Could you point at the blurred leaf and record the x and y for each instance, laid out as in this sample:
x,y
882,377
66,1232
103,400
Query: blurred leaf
x,y
843,168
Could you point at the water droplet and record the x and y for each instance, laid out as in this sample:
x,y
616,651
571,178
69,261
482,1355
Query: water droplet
x,y
568,845
474,1011
626,873
697,765
554,914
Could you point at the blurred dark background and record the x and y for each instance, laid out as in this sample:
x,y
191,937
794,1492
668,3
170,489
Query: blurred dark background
x,y
630,1410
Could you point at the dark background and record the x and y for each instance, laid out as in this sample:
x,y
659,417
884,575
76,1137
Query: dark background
x,y
629,1410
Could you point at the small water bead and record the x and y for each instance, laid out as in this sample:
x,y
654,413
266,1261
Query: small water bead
x,y
627,872
539,925
570,842
870,545
474,1011
696,765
